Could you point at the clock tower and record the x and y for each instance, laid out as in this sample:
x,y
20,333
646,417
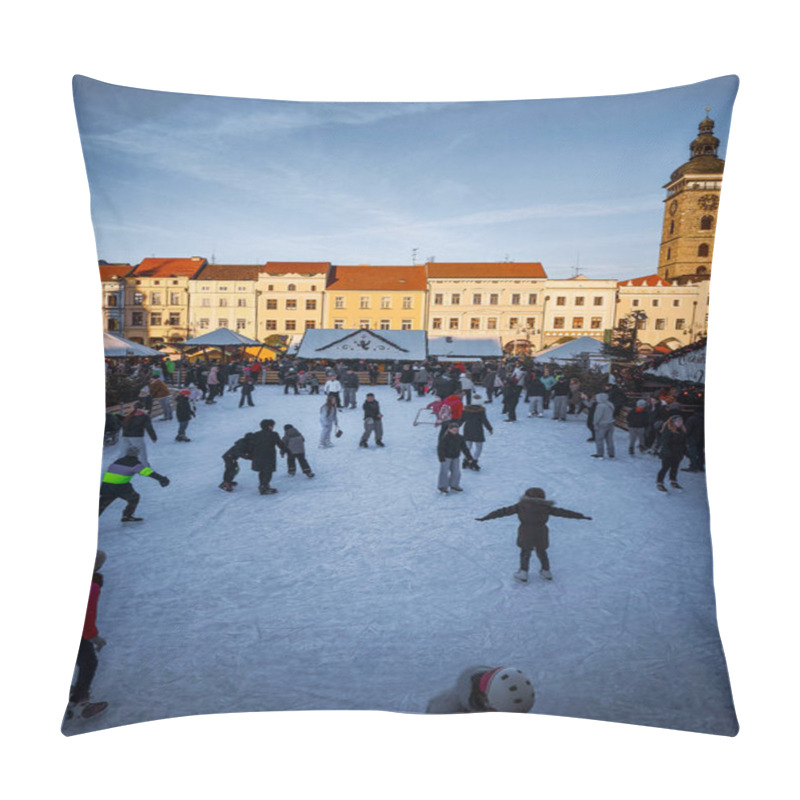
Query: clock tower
x,y
690,211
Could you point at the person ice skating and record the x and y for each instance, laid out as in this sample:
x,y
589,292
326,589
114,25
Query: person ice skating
x,y
696,442
672,448
536,392
117,482
533,511
474,421
350,384
333,388
213,384
603,422
313,384
161,392
511,393
184,413
328,420
247,392
264,444
560,394
241,448
290,381
373,421
406,382
295,448
450,448
134,427
637,426
91,643
482,688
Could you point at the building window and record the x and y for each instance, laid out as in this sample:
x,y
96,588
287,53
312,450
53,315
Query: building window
x,y
338,302
137,319
407,302
455,299
669,253
561,301
223,288
313,288
310,323
635,302
641,324
453,324
364,323
558,322
596,323
155,319
113,325
513,322
291,288
577,323
438,299
661,324
494,299
223,302
386,302
272,324
530,322
223,322
338,324
672,226
241,324
291,305
364,302
476,299
405,325
654,302
532,298
514,299
680,324
155,298
204,288
385,325
241,302
111,301
270,287
241,288
436,323
311,305
205,302
579,301
174,318
706,223
598,301
272,304
174,298
491,323
290,325
475,324
138,298
676,303
702,251
203,323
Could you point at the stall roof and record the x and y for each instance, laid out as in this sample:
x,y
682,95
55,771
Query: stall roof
x,y
362,343
574,349
466,348
222,337
115,346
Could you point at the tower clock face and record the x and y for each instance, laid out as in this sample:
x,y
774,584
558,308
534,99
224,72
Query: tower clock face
x,y
709,201
673,206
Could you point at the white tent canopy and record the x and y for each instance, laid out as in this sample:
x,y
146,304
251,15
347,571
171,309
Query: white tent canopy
x,y
689,367
583,346
452,348
115,346
222,337
336,344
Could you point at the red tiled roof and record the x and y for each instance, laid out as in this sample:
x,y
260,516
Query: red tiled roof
x,y
647,280
108,272
369,278
229,272
296,267
503,269
169,267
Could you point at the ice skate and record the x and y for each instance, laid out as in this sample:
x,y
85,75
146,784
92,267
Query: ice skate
x,y
661,487
521,575
380,444
85,709
228,487
456,489
131,518
267,490
546,574
308,473
675,485
443,491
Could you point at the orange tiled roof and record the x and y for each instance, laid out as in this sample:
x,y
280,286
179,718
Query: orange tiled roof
x,y
229,272
296,267
169,267
369,278
647,280
502,269
108,272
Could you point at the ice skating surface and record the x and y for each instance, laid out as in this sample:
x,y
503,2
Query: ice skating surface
x,y
365,588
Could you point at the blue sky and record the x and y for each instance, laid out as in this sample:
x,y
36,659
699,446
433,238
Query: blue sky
x,y
573,183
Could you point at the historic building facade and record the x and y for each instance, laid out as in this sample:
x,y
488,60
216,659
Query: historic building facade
x,y
577,306
690,211
223,296
112,283
289,298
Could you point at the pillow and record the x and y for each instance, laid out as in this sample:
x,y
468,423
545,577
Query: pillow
x,y
405,407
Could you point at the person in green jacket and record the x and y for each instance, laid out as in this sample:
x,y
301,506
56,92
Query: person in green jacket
x,y
117,483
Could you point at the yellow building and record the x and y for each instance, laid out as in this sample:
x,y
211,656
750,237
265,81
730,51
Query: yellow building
x,y
223,296
112,284
575,307
289,297
379,298
669,315
502,300
157,300
690,211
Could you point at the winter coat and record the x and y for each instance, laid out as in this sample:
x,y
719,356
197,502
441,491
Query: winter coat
x,y
466,382
451,445
456,406
406,376
135,425
159,389
183,409
475,421
533,514
242,448
332,386
294,442
673,442
637,418
328,414
561,389
264,444
457,699
603,410
488,380
696,428
213,376
536,388
372,409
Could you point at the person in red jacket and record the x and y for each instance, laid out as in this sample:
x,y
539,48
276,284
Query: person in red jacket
x,y
91,641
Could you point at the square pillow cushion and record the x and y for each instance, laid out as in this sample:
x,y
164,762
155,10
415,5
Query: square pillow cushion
x,y
298,300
